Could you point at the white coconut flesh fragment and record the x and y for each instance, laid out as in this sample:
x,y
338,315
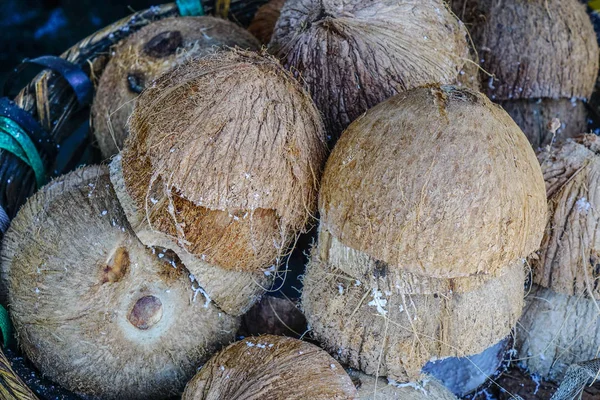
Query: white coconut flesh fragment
x,y
95,310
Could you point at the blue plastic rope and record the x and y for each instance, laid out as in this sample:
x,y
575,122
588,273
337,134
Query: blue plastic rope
x,y
190,8
16,141
5,327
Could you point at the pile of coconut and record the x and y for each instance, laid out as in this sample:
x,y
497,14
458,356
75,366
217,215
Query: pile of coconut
x,y
359,121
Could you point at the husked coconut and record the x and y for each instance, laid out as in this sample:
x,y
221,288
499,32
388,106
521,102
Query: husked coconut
x,y
93,308
231,178
143,57
271,367
354,54
438,182
264,20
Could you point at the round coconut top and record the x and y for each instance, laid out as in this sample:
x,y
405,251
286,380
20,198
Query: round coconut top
x,y
534,48
264,20
95,310
568,259
239,160
273,368
353,54
438,181
143,57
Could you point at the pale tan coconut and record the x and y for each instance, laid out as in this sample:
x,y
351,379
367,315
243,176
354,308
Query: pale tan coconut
x,y
438,182
143,57
264,20
271,368
424,388
569,258
353,54
93,308
557,330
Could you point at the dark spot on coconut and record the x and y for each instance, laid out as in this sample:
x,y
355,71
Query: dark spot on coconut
x,y
164,44
172,268
136,82
380,270
117,266
146,312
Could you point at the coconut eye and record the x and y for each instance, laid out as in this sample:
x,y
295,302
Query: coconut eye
x,y
164,44
117,266
136,82
146,312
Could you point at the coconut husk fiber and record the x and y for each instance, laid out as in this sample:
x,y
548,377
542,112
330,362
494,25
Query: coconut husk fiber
x,y
535,118
143,57
385,333
264,20
353,54
568,261
533,49
557,330
272,368
425,388
437,181
95,310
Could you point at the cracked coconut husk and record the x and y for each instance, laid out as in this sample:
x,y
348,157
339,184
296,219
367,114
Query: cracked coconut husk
x,y
264,20
424,388
534,48
353,54
535,117
555,331
143,57
437,181
93,308
271,368
386,333
569,257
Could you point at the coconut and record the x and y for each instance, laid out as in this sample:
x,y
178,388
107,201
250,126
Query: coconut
x,y
143,57
264,20
535,118
93,308
557,330
437,182
569,258
387,333
353,54
271,367
231,178
276,316
425,388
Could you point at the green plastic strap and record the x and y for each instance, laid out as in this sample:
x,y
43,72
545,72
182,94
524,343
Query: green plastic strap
x,y
15,140
190,8
5,327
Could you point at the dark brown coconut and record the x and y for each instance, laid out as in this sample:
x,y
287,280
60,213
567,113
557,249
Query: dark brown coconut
x,y
274,316
265,19
569,258
353,54
534,48
146,55
535,118
271,368
94,309
437,182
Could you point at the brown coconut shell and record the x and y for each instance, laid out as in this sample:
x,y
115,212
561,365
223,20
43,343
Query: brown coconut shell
x,y
425,388
568,261
534,49
438,181
271,368
264,20
385,333
143,57
93,308
535,118
557,330
353,54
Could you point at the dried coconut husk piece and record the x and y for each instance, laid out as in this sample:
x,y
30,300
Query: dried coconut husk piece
x,y
386,333
353,54
274,368
535,118
264,20
557,330
438,181
94,309
143,57
568,261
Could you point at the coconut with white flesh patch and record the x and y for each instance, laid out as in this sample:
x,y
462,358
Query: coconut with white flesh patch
x,y
144,56
93,308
